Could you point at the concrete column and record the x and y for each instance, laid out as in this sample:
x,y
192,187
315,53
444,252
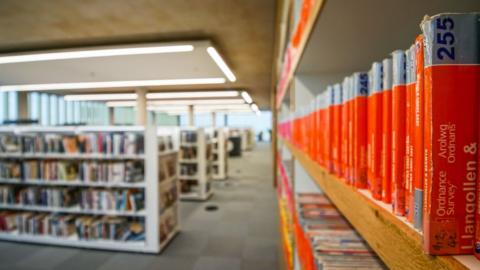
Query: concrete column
x,y
214,119
22,105
191,116
111,116
225,120
141,106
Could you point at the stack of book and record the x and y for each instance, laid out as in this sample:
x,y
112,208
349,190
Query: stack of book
x,y
335,243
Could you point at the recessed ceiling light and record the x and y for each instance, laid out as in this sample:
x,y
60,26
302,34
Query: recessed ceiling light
x,y
93,53
247,97
221,64
109,84
193,94
99,97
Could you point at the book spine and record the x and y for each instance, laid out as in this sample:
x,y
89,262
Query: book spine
x,y
350,131
344,137
329,128
451,132
409,131
398,132
337,133
418,146
360,129
386,156
374,123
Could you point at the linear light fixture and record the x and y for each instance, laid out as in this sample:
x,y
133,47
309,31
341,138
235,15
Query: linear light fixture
x,y
221,64
193,94
247,97
101,97
184,102
93,53
109,84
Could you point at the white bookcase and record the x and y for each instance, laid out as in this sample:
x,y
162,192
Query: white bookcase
x,y
194,163
160,190
248,139
220,154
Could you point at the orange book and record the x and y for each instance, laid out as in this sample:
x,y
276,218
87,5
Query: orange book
x,y
451,85
386,154
317,138
321,134
351,116
418,136
360,91
337,133
409,131
329,128
398,132
344,136
374,123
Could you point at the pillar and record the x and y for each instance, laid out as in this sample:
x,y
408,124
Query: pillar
x,y
141,107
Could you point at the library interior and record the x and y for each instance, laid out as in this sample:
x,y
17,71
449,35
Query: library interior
x,y
239,135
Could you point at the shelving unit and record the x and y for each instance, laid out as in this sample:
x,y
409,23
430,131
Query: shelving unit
x,y
159,214
320,50
220,154
195,163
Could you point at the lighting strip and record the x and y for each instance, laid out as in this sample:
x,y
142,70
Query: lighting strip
x,y
100,97
221,64
93,53
248,99
194,94
109,84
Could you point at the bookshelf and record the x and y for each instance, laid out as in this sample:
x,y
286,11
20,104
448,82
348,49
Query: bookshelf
x,y
327,50
248,139
194,163
89,187
220,154
377,224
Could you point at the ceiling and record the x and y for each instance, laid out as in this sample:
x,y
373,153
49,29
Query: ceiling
x,y
241,30
346,40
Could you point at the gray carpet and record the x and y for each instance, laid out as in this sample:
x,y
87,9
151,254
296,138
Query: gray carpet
x,y
241,234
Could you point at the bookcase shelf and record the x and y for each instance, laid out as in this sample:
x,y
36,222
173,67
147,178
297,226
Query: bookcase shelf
x,y
219,151
393,239
194,166
160,156
75,183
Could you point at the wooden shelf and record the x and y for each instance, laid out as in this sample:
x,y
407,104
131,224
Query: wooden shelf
x,y
289,69
397,243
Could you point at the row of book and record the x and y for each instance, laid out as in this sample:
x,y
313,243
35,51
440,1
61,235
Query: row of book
x,y
165,143
168,196
114,143
188,136
408,131
331,241
84,171
83,227
167,167
86,199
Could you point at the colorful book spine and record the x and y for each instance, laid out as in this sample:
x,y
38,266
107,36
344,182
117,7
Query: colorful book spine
x,y
351,135
329,96
344,136
360,80
398,132
374,123
386,156
452,74
409,130
337,129
418,146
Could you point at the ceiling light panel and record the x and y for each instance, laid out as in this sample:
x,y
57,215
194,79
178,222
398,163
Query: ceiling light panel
x,y
94,53
110,84
101,97
247,97
221,64
196,94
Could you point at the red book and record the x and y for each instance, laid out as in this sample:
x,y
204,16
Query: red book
x,y
351,135
360,86
451,85
398,131
344,136
386,155
374,141
409,131
336,129
329,128
418,136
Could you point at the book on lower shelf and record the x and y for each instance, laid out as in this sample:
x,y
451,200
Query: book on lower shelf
x,y
334,243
